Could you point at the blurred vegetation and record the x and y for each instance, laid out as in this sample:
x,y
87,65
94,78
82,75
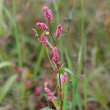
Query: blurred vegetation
x,y
19,46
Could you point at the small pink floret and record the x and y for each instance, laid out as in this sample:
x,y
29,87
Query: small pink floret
x,y
42,25
44,40
52,98
58,63
59,31
55,55
48,91
47,13
64,78
45,8
50,94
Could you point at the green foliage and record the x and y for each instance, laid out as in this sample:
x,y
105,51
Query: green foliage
x,y
38,61
4,64
7,86
80,19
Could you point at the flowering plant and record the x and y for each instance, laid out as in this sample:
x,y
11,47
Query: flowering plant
x,y
55,60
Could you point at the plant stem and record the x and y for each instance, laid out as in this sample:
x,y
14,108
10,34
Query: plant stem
x,y
60,86
51,33
84,40
60,91
17,37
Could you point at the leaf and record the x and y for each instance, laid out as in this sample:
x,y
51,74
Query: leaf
x,y
68,71
69,62
4,64
7,87
39,59
46,108
61,71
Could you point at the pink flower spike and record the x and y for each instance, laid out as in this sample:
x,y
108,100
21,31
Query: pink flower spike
x,y
58,63
44,40
54,59
48,91
59,31
55,55
52,98
42,25
47,13
45,8
64,78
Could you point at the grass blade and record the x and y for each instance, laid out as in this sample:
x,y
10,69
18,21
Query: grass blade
x,y
1,15
4,64
38,61
7,87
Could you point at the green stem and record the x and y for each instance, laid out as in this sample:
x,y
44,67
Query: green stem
x,y
16,36
81,59
56,10
51,32
38,61
60,92
84,40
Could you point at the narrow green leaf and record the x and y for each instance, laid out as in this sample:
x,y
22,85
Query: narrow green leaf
x,y
68,71
4,64
1,15
7,87
39,59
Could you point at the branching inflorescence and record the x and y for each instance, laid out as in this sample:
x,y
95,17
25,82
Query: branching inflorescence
x,y
55,60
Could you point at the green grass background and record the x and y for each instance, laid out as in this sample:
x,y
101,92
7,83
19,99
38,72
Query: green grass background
x,y
84,48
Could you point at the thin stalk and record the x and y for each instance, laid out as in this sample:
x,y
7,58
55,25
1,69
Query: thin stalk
x,y
16,36
1,15
51,32
73,9
60,91
59,78
81,59
15,28
38,60
50,60
55,4
55,105
84,48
